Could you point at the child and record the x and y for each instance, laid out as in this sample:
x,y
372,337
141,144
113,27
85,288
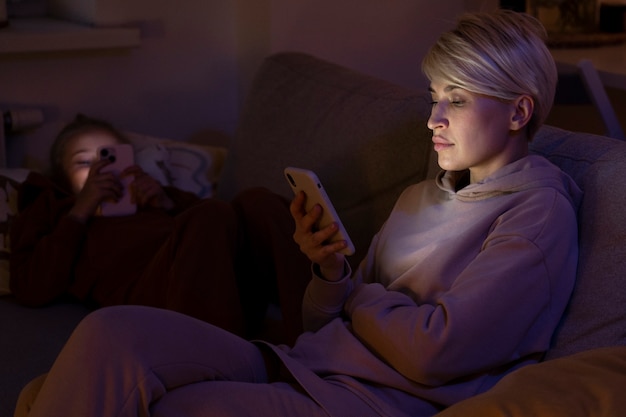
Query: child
x,y
177,252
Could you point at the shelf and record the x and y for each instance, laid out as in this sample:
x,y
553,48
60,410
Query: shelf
x,y
44,34
609,61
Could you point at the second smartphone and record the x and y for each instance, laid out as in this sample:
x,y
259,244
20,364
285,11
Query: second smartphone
x,y
120,157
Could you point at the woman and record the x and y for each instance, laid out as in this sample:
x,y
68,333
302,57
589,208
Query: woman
x,y
465,282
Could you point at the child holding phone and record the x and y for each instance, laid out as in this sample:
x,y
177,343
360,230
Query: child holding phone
x,y
176,251
120,157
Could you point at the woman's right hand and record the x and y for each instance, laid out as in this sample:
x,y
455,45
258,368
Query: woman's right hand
x,y
314,243
99,186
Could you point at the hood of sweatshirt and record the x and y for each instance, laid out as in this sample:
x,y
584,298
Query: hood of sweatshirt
x,y
530,172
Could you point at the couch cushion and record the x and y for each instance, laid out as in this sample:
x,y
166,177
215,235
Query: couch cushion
x,y
596,315
581,385
365,138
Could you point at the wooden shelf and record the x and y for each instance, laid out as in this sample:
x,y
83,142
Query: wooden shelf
x,y
44,34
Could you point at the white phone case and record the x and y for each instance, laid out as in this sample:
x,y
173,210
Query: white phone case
x,y
120,157
305,180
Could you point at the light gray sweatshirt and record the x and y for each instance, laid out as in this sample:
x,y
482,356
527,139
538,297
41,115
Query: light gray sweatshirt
x,y
458,289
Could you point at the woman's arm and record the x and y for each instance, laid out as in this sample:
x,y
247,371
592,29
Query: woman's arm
x,y
502,307
330,285
324,300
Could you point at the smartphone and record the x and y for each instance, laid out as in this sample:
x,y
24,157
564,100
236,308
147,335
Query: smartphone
x,y
305,180
120,157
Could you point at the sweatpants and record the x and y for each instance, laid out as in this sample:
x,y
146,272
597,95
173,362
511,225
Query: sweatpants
x,y
143,361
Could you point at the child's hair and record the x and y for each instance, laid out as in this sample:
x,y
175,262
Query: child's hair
x,y
79,126
501,54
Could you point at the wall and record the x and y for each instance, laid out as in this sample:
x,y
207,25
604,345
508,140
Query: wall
x,y
179,81
195,62
382,38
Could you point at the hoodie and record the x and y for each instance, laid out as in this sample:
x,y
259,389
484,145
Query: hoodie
x,y
460,286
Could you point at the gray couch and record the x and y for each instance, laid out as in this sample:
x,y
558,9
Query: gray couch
x,y
367,140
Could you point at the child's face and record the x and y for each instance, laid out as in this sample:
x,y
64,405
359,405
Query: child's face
x,y
79,154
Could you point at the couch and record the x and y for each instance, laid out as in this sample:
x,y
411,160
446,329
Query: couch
x,y
367,140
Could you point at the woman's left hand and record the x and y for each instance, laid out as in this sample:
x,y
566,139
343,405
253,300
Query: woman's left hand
x,y
147,191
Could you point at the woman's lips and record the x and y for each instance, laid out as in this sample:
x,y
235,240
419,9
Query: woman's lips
x,y
440,143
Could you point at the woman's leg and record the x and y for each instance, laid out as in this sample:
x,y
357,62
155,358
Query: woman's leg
x,y
272,268
120,360
194,271
237,399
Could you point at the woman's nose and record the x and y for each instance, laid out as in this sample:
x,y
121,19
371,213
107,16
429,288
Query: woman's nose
x,y
437,117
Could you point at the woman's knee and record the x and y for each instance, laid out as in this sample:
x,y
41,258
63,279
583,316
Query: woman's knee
x,y
108,325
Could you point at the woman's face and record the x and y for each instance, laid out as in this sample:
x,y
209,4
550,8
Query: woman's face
x,y
80,152
472,131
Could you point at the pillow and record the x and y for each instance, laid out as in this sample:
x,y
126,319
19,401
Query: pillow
x,y
9,181
190,167
587,384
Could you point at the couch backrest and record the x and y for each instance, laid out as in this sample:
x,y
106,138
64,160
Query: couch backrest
x,y
596,315
366,138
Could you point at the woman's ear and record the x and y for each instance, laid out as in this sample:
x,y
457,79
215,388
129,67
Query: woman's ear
x,y
524,107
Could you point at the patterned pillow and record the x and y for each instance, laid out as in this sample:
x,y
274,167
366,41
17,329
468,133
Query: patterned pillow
x,y
190,167
9,181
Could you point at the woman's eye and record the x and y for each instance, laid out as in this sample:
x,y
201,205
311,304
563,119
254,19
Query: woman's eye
x,y
455,103
83,163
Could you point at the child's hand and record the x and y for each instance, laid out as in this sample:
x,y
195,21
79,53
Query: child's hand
x,y
146,191
312,242
99,186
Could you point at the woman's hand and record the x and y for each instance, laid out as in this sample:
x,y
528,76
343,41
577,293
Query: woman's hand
x,y
313,243
147,191
99,186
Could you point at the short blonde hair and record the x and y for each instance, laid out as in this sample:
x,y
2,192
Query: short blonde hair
x,y
501,54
